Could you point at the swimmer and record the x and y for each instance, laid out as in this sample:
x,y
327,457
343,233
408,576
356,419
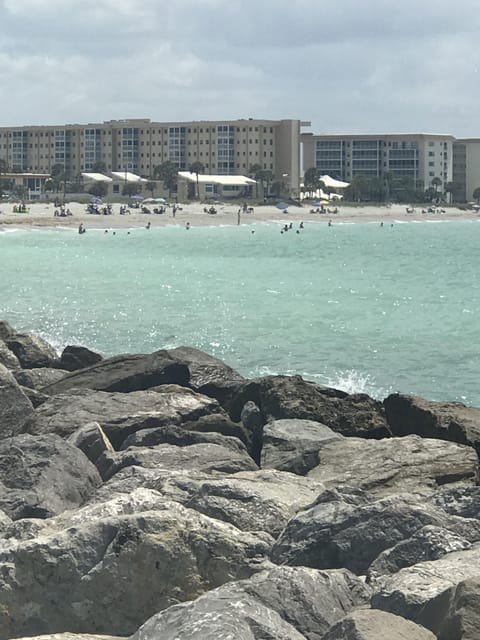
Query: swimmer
x,y
298,231
301,225
148,225
106,231
329,223
381,224
187,226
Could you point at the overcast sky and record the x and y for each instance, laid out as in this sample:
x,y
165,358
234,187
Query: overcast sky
x,y
345,65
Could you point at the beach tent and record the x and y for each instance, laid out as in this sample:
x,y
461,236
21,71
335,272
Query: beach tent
x,y
332,183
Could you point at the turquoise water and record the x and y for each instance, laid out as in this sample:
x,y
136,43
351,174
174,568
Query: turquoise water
x,y
356,306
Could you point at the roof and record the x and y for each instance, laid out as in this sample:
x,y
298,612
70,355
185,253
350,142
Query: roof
x,y
126,176
96,177
203,178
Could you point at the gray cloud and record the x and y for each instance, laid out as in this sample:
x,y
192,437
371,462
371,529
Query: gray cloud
x,y
374,66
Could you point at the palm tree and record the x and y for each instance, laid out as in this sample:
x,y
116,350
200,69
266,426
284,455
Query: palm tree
x,y
151,186
255,173
436,182
311,179
167,172
476,195
196,168
451,188
266,178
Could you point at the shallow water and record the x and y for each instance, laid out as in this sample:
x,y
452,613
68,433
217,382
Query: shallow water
x,y
356,306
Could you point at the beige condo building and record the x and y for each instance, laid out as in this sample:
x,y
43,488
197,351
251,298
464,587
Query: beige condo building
x,y
226,147
421,157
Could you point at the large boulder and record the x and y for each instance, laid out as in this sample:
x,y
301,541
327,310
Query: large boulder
x,y
41,476
120,414
281,397
32,351
75,357
446,420
347,529
91,439
204,457
7,357
6,330
126,373
71,636
412,591
292,445
261,607
393,465
106,569
16,410
37,378
372,624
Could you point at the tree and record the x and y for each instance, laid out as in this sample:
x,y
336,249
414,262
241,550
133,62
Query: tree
x,y
387,185
131,189
151,186
476,195
311,180
167,172
197,167
58,175
358,189
99,189
436,182
255,172
266,178
21,191
3,166
451,188
99,166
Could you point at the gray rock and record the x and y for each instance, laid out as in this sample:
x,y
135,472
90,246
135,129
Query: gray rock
x,y
445,420
346,529
7,357
251,416
37,378
459,501
71,636
92,572
410,591
394,465
6,330
5,522
260,607
42,475
16,410
36,397
221,423
76,357
91,439
120,414
371,624
455,614
201,457
125,373
292,445
280,397
32,351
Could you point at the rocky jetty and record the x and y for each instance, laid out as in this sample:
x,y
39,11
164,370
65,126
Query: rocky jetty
x,y
163,496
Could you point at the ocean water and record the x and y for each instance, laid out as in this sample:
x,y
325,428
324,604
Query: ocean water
x,y
355,306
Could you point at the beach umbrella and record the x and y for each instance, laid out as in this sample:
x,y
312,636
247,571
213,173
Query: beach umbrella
x,y
282,205
137,197
95,200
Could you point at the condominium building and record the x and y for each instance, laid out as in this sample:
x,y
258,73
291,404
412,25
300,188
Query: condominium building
x,y
421,157
229,147
466,168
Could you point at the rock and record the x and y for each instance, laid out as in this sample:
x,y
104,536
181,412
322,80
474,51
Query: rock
x,y
208,374
280,397
125,373
292,445
71,636
251,416
394,465
75,357
220,423
92,572
16,410
445,420
428,543
37,378
308,601
410,592
180,436
345,528
5,522
91,439
455,614
7,357
6,330
371,624
41,476
202,457
32,351
36,397
120,414
459,501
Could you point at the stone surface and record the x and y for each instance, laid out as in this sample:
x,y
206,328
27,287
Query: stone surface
x,y
201,457
261,607
280,397
41,476
6,330
120,414
91,439
395,465
16,410
37,378
105,569
371,624
7,357
126,373
71,636
32,351
292,445
76,357
446,420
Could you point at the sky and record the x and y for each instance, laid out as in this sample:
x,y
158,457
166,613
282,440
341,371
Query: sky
x,y
346,66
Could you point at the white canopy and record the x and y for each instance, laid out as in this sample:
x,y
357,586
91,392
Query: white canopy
x,y
96,177
239,181
126,176
331,183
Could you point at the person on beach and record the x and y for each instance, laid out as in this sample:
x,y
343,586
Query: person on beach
x,y
238,216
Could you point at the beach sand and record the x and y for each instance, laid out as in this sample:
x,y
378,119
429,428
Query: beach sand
x,y
42,215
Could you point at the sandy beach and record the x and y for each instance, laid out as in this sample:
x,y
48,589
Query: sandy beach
x,y
42,215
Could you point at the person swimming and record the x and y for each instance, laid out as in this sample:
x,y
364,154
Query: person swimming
x,y
187,226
